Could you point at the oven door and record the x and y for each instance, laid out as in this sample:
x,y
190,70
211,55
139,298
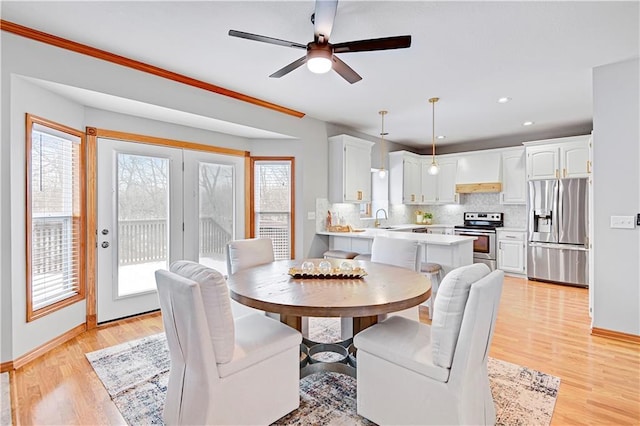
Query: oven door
x,y
484,247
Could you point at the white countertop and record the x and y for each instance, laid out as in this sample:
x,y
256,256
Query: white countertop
x,y
436,239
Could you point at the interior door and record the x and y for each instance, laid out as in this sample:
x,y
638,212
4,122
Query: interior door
x,y
139,224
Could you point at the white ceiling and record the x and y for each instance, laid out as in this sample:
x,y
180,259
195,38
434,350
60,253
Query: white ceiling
x,y
469,54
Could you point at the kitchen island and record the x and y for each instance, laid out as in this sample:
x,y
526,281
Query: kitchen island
x,y
450,251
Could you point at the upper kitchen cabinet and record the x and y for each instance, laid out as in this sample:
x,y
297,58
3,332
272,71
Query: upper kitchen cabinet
x,y
447,180
514,182
404,178
440,188
558,158
349,169
411,183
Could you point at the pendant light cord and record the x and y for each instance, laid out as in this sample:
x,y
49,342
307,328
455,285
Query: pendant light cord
x,y
382,135
433,129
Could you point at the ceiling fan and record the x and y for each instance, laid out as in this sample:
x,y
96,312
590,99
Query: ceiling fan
x,y
320,57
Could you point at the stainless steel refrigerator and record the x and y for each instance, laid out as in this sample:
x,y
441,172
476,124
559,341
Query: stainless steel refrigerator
x,y
558,243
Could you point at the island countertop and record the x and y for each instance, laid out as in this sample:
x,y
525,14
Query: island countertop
x,y
430,239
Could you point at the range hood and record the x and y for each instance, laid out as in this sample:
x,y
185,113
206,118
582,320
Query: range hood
x,y
480,172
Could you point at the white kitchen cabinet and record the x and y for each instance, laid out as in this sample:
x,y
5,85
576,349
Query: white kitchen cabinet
x,y
429,187
447,181
514,182
558,158
357,245
404,178
411,183
574,158
440,188
512,251
349,169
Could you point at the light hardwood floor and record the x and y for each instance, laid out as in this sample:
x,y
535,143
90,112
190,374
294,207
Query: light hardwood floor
x,y
542,326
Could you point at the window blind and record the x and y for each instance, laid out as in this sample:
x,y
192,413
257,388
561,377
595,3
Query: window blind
x,y
55,216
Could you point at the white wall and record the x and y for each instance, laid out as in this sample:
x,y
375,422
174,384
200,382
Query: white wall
x,y
616,179
27,98
23,57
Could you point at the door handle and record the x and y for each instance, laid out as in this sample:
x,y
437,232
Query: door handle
x,y
105,244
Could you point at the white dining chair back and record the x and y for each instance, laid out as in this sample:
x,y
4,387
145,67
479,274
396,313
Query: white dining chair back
x,y
246,253
223,371
242,254
413,373
395,252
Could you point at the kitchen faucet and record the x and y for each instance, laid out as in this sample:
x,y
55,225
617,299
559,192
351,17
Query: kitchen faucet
x,y
376,224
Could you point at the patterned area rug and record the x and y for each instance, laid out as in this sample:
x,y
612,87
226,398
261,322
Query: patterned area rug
x,y
136,373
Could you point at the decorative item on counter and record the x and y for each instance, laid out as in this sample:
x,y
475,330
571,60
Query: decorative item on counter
x,y
340,228
427,218
329,221
325,270
419,216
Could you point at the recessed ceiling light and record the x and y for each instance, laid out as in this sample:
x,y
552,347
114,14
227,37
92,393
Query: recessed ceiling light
x,y
441,137
504,100
527,123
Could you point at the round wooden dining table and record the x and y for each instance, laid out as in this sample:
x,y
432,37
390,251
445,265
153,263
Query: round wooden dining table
x,y
382,290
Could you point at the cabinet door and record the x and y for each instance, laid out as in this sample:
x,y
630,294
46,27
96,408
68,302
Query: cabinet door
x,y
357,173
447,182
511,256
513,178
542,162
411,181
429,183
575,159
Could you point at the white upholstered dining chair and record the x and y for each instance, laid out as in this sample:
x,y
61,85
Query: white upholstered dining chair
x,y
396,252
242,254
246,253
413,373
223,370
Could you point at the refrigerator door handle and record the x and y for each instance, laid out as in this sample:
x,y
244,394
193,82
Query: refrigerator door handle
x,y
555,213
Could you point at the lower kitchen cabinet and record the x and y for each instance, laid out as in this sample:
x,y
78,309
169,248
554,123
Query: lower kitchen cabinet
x,y
512,250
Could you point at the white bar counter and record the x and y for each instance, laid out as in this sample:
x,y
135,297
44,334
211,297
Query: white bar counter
x,y
450,251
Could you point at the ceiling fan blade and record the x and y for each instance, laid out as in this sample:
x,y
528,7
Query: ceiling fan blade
x,y
345,71
324,16
287,69
398,42
265,39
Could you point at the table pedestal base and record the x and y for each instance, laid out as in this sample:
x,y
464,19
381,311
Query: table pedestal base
x,y
345,365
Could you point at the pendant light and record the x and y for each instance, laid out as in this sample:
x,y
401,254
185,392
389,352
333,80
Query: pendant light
x,y
382,172
434,169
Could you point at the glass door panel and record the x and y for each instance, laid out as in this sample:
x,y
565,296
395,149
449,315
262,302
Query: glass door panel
x,y
143,221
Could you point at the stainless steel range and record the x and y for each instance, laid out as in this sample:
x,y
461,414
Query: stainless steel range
x,y
482,226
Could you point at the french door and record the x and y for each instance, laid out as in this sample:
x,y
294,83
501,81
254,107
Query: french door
x,y
156,205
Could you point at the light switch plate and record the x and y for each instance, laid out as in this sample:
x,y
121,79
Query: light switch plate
x,y
624,222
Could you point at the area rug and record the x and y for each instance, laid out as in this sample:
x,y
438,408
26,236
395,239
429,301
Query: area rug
x,y
136,373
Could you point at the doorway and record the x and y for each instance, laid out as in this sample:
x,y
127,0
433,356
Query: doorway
x,y
155,205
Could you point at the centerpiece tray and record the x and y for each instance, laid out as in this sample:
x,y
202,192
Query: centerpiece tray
x,y
357,272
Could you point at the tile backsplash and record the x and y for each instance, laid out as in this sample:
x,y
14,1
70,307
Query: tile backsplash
x,y
515,216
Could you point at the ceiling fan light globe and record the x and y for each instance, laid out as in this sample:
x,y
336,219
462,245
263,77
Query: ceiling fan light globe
x,y
319,64
434,169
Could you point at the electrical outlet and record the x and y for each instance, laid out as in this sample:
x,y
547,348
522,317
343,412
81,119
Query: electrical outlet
x,y
624,222
311,215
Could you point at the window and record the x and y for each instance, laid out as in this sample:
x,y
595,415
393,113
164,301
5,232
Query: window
x,y
272,203
55,210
